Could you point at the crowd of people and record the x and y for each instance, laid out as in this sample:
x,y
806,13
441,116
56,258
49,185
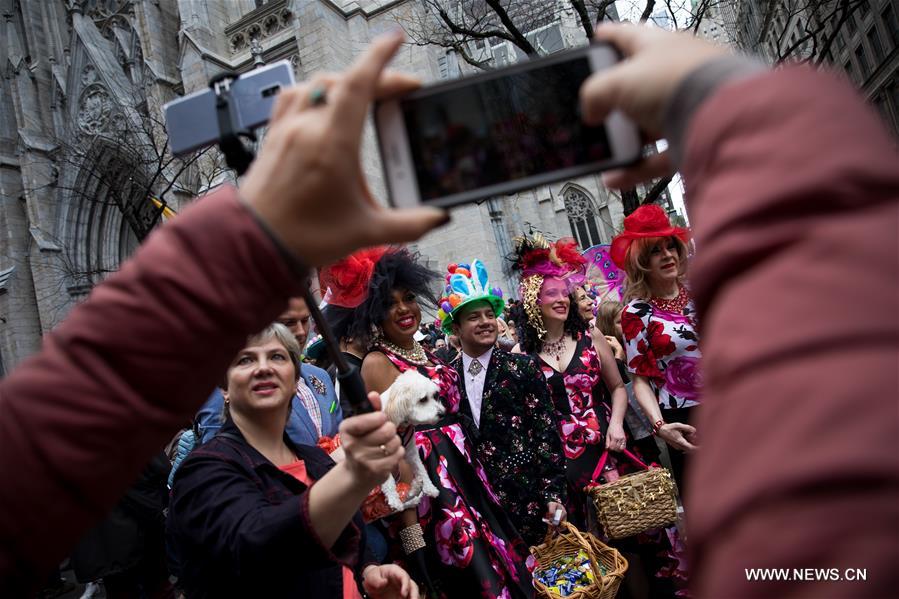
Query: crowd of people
x,y
782,459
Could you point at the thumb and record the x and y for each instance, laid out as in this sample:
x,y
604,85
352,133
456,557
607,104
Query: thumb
x,y
624,36
399,226
601,93
375,399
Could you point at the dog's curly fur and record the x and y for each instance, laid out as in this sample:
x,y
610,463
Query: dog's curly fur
x,y
412,399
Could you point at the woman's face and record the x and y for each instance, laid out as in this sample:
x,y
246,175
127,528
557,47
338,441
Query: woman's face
x,y
261,378
501,325
403,317
584,303
664,263
554,301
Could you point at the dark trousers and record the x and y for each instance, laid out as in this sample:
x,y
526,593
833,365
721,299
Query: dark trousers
x,y
678,457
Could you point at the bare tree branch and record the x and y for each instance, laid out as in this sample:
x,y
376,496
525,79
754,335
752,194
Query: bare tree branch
x,y
583,17
518,38
647,12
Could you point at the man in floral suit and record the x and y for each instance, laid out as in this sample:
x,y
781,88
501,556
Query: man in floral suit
x,y
506,403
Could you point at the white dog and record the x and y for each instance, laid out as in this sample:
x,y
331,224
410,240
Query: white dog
x,y
411,400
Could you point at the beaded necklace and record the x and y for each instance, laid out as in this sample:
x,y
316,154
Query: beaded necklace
x,y
416,355
675,305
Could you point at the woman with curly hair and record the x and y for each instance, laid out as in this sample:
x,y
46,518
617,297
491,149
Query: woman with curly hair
x,y
587,392
463,537
659,327
590,400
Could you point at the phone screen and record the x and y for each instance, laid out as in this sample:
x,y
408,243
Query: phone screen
x,y
508,128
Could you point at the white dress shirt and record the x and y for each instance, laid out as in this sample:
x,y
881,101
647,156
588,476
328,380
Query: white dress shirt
x,y
474,385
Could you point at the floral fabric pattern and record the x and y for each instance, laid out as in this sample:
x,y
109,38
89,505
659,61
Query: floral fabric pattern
x,y
517,440
473,548
664,347
583,409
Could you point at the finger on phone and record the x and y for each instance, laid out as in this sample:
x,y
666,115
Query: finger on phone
x,y
602,93
651,167
394,83
624,36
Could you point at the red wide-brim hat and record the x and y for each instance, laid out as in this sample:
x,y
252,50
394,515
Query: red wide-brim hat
x,y
649,220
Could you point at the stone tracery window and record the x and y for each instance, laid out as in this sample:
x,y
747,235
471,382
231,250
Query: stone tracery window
x,y
589,226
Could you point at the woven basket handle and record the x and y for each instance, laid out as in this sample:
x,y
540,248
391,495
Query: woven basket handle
x,y
605,457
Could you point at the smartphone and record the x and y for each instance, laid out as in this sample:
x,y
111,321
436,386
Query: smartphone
x,y
499,132
192,121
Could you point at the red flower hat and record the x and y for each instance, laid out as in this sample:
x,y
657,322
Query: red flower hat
x,y
348,279
648,220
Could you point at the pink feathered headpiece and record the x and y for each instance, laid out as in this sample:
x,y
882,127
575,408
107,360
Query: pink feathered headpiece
x,y
536,256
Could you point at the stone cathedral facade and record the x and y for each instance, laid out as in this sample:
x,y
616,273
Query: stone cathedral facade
x,y
83,148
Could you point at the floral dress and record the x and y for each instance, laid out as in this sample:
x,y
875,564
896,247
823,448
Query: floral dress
x,y
583,410
473,550
664,347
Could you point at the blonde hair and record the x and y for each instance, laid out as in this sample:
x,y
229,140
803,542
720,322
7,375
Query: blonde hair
x,y
282,335
606,314
637,265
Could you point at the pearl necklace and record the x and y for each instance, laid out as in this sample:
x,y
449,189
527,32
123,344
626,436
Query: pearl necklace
x,y
416,355
675,305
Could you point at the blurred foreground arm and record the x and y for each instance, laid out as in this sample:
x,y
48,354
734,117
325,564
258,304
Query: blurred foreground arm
x,y
793,188
133,362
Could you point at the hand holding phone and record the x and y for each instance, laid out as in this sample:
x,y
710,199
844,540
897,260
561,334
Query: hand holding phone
x,y
500,132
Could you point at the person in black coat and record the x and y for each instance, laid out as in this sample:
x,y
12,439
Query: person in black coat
x,y
126,549
252,514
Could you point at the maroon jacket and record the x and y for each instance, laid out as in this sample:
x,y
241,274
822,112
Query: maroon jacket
x,y
126,369
793,189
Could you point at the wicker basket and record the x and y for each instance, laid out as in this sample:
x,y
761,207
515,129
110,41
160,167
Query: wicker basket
x,y
635,502
568,544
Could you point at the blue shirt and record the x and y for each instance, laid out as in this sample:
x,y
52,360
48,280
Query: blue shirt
x,y
300,428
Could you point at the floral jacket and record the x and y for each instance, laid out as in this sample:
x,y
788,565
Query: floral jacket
x,y
517,441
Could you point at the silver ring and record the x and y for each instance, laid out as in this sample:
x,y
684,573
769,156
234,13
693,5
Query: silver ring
x,y
318,96
384,449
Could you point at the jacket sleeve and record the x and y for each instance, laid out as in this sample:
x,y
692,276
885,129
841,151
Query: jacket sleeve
x,y
219,507
123,372
210,416
546,435
793,188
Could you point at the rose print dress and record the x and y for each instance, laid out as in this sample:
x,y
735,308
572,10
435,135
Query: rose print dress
x,y
583,410
663,346
473,550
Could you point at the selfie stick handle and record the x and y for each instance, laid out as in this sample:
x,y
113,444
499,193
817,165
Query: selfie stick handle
x,y
349,376
237,156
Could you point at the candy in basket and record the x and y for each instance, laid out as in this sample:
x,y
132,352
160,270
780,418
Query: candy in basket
x,y
576,565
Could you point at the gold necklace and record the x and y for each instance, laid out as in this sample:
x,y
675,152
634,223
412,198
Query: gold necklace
x,y
416,355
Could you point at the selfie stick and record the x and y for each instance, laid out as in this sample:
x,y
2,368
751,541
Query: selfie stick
x,y
239,157
347,374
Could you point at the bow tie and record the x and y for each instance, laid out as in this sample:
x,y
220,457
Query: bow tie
x,y
475,368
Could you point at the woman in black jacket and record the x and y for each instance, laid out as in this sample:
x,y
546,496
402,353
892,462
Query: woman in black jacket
x,y
254,515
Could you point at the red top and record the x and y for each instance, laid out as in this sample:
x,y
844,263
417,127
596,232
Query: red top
x,y
793,185
298,471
